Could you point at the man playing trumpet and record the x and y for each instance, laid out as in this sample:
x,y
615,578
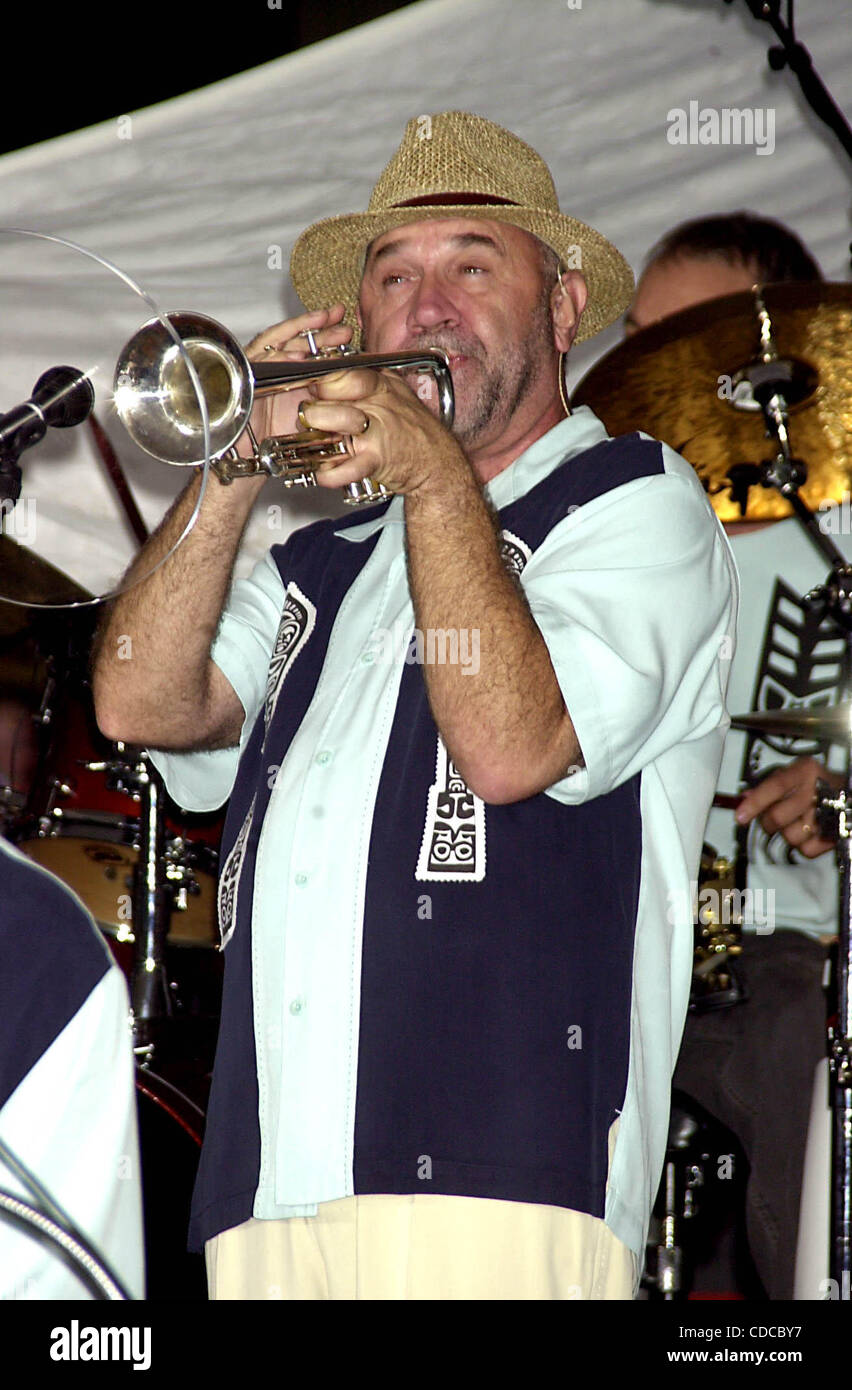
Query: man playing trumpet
x,y
455,981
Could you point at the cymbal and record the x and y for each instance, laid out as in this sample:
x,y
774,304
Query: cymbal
x,y
28,578
826,723
674,381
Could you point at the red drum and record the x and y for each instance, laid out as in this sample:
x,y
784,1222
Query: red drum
x,y
82,823
170,1132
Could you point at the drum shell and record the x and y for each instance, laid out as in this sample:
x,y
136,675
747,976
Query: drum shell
x,y
82,823
170,1132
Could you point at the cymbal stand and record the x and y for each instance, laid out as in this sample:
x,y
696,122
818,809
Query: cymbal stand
x,y
149,986
786,473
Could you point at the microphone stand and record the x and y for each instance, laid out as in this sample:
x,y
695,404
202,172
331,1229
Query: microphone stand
x,y
790,53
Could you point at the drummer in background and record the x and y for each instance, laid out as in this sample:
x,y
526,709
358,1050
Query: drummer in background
x,y
67,1097
752,1065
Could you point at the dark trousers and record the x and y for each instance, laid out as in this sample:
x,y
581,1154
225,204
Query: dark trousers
x,y
752,1067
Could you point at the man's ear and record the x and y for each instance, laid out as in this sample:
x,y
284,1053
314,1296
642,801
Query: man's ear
x,y
567,302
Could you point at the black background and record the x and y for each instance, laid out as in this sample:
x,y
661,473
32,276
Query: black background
x,y
67,66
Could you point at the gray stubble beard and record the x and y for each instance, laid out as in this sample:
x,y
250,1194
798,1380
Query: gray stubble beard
x,y
502,388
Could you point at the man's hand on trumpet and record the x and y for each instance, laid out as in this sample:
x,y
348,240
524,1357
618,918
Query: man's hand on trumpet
x,y
396,439
277,412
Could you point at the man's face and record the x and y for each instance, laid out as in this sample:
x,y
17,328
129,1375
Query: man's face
x,y
474,288
681,281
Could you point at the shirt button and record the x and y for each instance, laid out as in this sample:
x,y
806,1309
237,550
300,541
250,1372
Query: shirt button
x,y
324,757
296,1006
301,880
367,658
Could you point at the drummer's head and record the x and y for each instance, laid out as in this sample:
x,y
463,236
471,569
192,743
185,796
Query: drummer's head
x,y
713,256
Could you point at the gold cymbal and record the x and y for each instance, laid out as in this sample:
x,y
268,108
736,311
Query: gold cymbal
x,y
675,379
28,578
826,724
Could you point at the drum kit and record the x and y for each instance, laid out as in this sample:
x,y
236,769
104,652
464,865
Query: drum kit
x,y
755,391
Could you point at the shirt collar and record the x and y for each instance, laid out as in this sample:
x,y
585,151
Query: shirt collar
x,y
579,431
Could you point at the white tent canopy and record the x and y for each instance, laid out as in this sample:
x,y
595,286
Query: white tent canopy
x,y
202,197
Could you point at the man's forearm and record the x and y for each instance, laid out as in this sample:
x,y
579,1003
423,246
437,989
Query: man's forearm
x,y
505,723
152,658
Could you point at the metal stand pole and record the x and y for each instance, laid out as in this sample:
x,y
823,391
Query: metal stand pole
x,y
149,989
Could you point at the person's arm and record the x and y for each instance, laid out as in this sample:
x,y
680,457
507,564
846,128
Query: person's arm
x,y
505,726
154,681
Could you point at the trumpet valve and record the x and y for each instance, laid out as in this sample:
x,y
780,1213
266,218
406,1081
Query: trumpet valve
x,y
288,456
365,491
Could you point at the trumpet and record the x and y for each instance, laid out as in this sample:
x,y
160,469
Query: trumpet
x,y
158,404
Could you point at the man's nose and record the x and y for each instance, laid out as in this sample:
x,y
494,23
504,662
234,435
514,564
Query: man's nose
x,y
431,306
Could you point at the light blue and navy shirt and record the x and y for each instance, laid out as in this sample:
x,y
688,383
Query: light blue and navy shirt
x,y
425,993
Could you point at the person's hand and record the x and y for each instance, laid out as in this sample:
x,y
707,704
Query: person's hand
x,y
396,439
277,413
785,802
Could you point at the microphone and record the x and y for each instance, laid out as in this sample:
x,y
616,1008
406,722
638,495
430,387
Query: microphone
x,y
62,397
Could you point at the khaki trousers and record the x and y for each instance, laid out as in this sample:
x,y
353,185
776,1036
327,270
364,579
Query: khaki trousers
x,y
423,1246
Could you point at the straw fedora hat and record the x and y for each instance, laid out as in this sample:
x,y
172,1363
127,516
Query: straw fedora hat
x,y
458,165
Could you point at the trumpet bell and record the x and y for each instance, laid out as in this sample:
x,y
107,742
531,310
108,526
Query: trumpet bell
x,y
156,399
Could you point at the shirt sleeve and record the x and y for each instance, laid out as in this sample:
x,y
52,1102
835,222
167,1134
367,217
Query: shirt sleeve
x,y
635,596
72,1122
202,781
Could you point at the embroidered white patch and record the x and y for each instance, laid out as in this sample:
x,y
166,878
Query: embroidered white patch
x,y
453,845
229,881
515,552
297,623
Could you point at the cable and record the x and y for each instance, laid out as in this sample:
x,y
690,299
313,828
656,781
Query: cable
x,y
56,1226
74,1253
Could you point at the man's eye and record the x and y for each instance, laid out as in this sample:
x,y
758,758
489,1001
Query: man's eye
x,y
392,279
473,269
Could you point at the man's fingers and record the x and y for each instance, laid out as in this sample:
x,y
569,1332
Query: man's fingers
x,y
295,349
336,418
799,779
797,805
318,321
814,846
334,474
804,836
785,802
350,385
757,799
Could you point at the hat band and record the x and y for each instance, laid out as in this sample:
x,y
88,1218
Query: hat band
x,y
454,199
